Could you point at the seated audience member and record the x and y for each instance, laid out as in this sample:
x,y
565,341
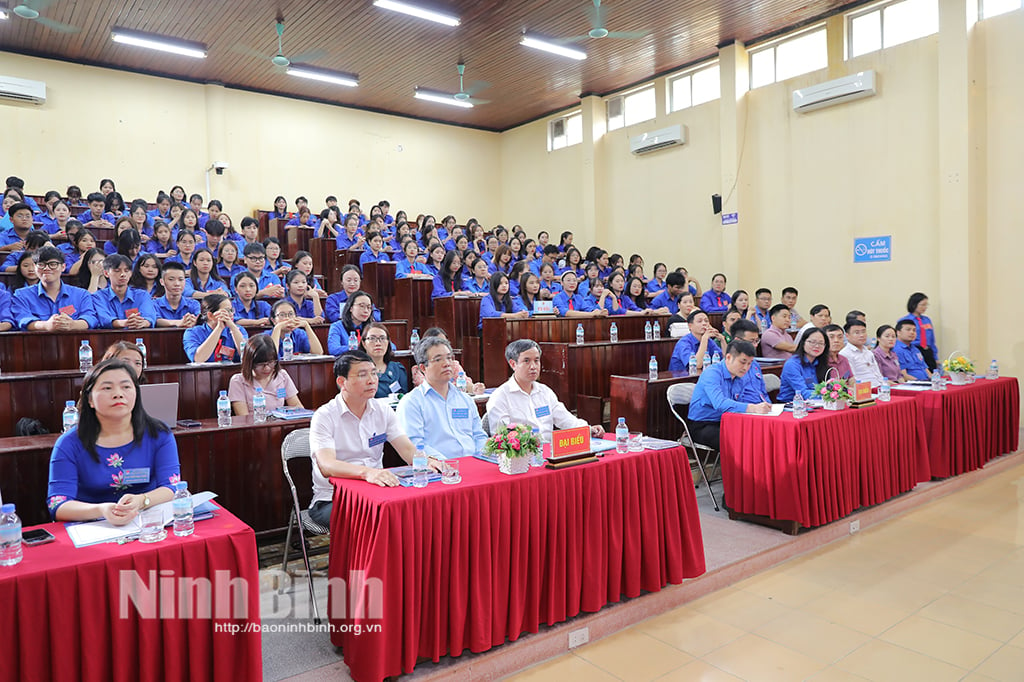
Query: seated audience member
x,y
885,355
498,303
374,252
549,286
789,295
173,309
478,280
391,376
122,226
94,216
637,294
657,283
296,290
228,266
741,302
303,262
356,316
13,181
6,314
34,240
569,303
450,279
25,273
807,367
411,263
347,435
862,360
754,390
775,341
146,275
185,243
699,341
350,237
762,304
130,354
821,317
856,315
720,389
261,368
692,285
524,400
549,257
715,300
909,353
529,291
52,305
275,260
203,278
120,306
13,238
616,290
917,306
417,372
287,323
162,245
351,282
728,320
115,438
248,311
91,277
268,284
836,343
675,285
216,337
280,211
437,417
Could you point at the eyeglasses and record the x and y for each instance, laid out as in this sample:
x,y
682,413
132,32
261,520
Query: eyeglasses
x,y
285,316
50,265
815,344
362,306
442,359
377,339
265,365
256,258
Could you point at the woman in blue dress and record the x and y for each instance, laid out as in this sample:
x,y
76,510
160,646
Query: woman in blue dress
x,y
807,367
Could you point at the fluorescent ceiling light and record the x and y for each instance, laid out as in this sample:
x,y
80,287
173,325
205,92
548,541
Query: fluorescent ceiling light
x,y
414,11
155,42
442,98
335,77
554,48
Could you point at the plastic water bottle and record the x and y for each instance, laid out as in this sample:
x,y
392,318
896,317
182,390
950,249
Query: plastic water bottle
x,y
657,330
762,324
353,342
707,360
142,347
259,406
414,338
937,380
181,505
223,409
692,364
792,323
648,331
621,436
993,370
288,347
420,469
884,391
537,459
799,406
10,536
70,417
84,357
873,343
943,380
460,381
652,369
716,358
579,334
613,333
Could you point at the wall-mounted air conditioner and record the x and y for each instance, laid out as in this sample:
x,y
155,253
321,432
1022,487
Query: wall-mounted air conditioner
x,y
845,89
658,139
21,90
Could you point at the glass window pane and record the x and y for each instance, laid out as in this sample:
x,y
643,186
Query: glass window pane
x,y
574,129
762,68
680,93
991,8
800,55
909,20
639,106
866,33
707,85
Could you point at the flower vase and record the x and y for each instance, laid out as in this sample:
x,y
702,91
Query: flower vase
x,y
835,405
959,378
513,465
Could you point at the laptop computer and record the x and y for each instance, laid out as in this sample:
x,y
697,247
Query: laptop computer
x,y
161,402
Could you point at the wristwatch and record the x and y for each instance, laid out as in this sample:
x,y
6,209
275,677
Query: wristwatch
x,y
145,502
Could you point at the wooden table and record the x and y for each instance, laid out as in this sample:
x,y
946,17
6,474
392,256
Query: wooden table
x,y
412,301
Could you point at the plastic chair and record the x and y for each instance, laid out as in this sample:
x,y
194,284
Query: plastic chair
x,y
772,382
295,446
679,396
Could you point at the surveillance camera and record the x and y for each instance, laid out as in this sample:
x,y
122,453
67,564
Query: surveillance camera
x,y
220,167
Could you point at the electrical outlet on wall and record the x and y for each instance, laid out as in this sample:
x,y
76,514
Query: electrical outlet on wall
x,y
854,527
579,637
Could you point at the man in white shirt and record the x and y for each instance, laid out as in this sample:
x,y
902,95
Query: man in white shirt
x,y
862,359
524,400
821,317
347,435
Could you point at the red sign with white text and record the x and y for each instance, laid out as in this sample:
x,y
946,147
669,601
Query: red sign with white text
x,y
570,441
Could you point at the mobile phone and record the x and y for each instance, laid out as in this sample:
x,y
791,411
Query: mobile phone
x,y
189,423
37,536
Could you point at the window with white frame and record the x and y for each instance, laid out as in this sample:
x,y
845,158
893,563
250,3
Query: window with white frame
x,y
991,8
893,23
799,54
632,107
694,87
565,131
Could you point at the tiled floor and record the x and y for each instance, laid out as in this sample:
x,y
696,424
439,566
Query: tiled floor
x,y
936,594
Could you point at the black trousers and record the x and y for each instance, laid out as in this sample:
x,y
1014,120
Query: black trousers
x,y
707,433
929,358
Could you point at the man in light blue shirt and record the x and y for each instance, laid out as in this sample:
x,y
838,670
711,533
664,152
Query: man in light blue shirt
x,y
436,415
720,389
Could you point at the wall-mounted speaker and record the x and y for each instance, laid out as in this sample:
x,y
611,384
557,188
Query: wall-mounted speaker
x,y
716,203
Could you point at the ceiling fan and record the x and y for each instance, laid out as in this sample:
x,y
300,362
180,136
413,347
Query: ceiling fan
x,y
596,15
30,9
279,60
466,94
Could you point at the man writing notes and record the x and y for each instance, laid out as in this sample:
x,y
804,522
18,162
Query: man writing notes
x,y
720,389
436,415
524,400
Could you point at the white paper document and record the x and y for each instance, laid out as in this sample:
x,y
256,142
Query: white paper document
x,y
95,532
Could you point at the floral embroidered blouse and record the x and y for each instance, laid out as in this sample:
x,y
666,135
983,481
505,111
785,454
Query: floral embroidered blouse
x,y
128,469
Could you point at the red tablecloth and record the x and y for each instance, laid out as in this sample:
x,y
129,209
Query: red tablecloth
x,y
820,468
967,426
60,611
468,566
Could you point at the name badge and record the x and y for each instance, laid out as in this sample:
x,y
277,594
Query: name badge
x,y
136,476
543,411
131,311
377,439
68,310
395,387
227,352
460,413
280,393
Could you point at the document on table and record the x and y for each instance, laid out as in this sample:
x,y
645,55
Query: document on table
x,y
913,387
777,409
96,532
